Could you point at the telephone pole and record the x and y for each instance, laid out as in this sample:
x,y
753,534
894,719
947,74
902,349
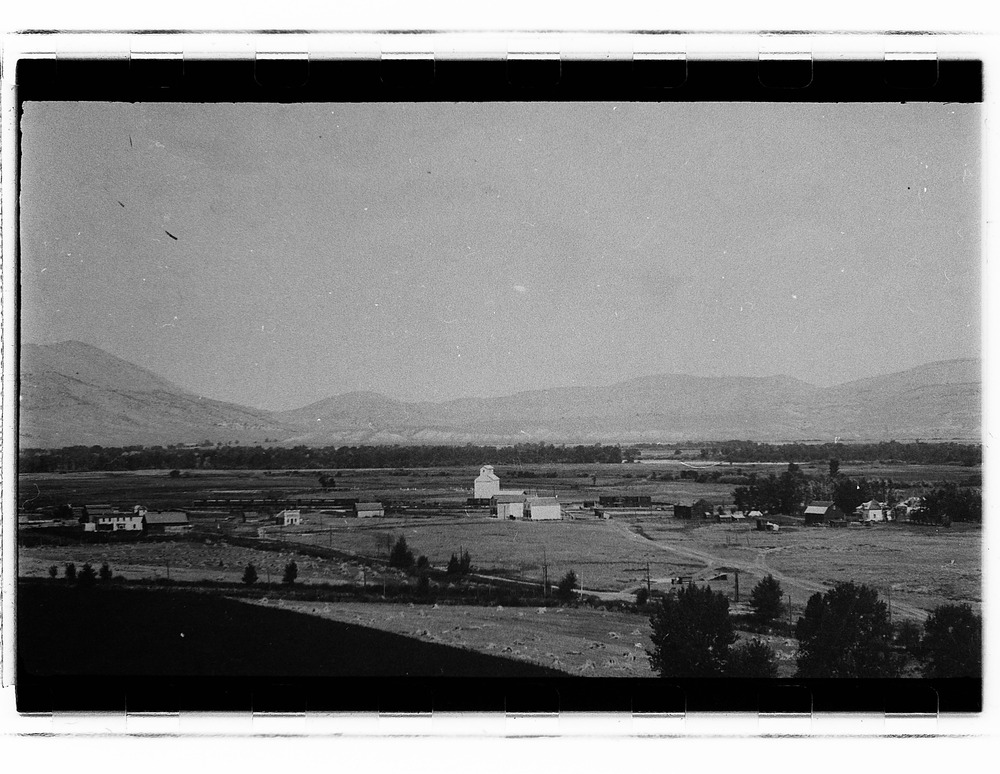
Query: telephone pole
x,y
737,586
649,589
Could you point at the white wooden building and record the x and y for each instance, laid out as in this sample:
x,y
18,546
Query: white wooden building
x,y
508,505
486,484
288,518
542,508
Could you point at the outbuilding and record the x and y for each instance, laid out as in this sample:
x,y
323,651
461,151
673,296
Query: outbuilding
x,y
288,518
369,510
542,508
507,505
165,521
822,512
873,510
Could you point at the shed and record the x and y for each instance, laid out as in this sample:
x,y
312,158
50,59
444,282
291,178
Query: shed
x,y
368,510
702,509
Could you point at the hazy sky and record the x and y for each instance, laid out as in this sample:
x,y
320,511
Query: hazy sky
x,y
432,251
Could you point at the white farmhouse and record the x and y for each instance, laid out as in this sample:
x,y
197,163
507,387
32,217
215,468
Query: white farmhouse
x,y
487,483
873,510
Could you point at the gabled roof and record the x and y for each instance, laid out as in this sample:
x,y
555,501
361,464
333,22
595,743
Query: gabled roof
x,y
872,505
368,507
534,500
818,507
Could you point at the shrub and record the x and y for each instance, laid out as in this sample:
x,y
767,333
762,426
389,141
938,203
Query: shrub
x,y
691,633
566,585
53,571
422,562
250,575
105,573
642,595
752,659
291,573
70,572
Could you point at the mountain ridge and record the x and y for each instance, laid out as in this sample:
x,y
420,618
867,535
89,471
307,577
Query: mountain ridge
x,y
75,393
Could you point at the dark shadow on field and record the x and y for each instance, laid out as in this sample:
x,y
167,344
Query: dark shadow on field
x,y
63,630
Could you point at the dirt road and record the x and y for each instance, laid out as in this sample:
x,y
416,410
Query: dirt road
x,y
799,588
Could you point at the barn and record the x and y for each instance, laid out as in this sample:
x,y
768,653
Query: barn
x,y
165,521
822,512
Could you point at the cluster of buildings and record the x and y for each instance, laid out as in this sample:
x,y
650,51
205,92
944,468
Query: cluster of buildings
x,y
510,503
105,518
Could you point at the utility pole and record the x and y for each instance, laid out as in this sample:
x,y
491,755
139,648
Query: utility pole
x,y
789,612
737,586
168,570
889,591
649,589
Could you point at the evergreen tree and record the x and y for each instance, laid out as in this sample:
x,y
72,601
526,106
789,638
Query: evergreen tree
x,y
250,575
71,572
566,585
87,576
291,573
401,556
765,600
105,572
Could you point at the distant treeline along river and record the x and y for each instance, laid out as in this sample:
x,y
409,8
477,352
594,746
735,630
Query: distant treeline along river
x,y
235,457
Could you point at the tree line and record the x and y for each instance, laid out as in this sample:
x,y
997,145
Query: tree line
x,y
237,457
916,452
844,632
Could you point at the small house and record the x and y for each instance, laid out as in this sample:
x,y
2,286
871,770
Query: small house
x,y
369,510
542,508
702,509
508,505
487,483
288,518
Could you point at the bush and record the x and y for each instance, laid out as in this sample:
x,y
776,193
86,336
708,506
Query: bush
x,y
87,576
691,634
401,556
291,573
566,585
752,659
70,572
250,575
642,596
846,633
53,571
105,573
423,562
953,642
765,600
174,474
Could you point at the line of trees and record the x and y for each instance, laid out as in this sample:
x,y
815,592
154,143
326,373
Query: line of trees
x,y
844,632
237,457
934,453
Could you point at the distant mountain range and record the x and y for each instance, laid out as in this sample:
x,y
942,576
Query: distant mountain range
x,y
74,393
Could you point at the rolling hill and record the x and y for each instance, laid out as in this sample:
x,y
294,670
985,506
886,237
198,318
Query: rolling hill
x,y
73,393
